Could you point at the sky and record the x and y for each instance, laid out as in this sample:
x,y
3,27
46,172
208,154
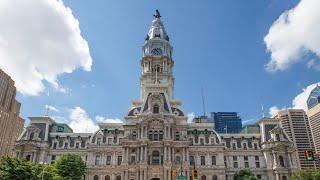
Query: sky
x,y
81,59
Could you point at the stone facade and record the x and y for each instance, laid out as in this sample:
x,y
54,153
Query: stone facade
x,y
156,138
11,124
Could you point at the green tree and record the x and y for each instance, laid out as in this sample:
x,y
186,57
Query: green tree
x,y
15,168
70,167
244,174
44,171
306,174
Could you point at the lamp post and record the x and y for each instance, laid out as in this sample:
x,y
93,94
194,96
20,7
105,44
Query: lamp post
x,y
45,166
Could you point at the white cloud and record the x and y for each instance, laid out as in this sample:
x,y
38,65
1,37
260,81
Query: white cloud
x,y
300,101
313,64
101,119
293,34
80,122
191,117
273,111
40,40
51,108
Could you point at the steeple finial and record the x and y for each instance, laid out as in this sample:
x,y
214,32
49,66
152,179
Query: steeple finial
x,y
157,15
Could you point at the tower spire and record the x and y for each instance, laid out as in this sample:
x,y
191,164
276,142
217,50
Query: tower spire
x,y
157,15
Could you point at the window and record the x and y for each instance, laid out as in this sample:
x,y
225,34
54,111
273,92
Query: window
x,y
160,135
99,141
31,136
119,160
155,157
259,176
284,177
245,146
235,164
28,157
107,177
214,177
77,145
191,160
83,143
96,177
278,137
225,161
156,109
207,139
246,164
55,145
118,178
257,161
213,160
234,146
203,177
196,139
177,136
255,146
235,158
155,136
178,160
65,145
150,135
281,161
97,161
109,141
53,158
201,141
203,160
60,143
257,164
108,160
133,159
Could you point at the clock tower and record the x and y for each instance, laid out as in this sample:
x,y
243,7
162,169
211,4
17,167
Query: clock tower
x,y
156,62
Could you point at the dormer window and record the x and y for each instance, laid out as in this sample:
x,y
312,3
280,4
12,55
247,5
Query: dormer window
x,y
31,136
156,109
278,137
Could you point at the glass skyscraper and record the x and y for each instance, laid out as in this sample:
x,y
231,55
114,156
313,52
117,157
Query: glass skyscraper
x,y
314,97
226,122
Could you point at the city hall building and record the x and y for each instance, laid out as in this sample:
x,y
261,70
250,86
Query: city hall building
x,y
156,139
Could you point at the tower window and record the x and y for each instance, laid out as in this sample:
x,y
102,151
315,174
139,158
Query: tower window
x,y
156,109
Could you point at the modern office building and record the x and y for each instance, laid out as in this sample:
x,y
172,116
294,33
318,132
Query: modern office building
x,y
227,122
296,124
156,138
314,117
11,124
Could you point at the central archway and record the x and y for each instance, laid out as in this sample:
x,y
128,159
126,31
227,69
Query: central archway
x,y
155,179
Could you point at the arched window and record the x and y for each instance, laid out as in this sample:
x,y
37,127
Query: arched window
x,y
107,177
155,157
31,136
214,177
28,157
203,177
118,178
281,161
156,109
96,177
284,177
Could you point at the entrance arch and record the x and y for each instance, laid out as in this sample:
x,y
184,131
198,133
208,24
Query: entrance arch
x,y
155,179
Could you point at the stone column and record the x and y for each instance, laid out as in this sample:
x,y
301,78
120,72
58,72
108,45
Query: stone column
x,y
113,177
183,155
290,160
127,155
164,174
123,154
145,175
169,154
187,149
169,174
122,175
145,154
165,153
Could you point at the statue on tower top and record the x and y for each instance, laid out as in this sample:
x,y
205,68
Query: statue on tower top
x,y
157,15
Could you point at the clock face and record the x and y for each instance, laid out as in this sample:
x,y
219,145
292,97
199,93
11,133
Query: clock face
x,y
156,51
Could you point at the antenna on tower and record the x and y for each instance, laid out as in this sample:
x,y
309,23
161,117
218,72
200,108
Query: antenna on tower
x,y
203,103
262,111
47,110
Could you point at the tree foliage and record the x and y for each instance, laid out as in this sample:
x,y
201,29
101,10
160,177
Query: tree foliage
x,y
244,174
68,167
307,174
14,168
71,167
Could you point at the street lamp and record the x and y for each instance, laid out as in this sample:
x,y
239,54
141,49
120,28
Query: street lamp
x,y
45,166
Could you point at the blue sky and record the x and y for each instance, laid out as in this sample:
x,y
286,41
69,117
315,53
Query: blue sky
x,y
218,45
